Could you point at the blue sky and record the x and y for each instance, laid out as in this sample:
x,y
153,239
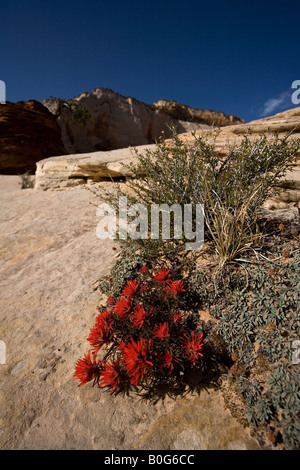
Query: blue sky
x,y
239,57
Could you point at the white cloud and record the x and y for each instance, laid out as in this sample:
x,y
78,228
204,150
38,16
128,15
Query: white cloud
x,y
278,103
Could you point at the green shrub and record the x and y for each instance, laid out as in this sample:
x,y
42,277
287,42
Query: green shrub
x,y
231,188
27,180
77,113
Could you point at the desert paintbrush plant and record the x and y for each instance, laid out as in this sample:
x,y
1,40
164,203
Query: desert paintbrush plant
x,y
141,338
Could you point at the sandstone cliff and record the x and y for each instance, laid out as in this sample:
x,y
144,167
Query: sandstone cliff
x,y
100,120
115,121
28,133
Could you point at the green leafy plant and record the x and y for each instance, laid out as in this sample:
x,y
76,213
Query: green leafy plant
x,y
275,404
261,310
257,307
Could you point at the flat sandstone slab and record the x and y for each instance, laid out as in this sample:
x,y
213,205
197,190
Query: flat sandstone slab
x,y
73,170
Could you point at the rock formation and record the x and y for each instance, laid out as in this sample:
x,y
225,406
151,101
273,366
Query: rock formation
x,y
100,120
72,170
200,116
287,121
115,121
28,133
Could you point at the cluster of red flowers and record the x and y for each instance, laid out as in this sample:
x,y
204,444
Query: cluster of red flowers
x,y
143,334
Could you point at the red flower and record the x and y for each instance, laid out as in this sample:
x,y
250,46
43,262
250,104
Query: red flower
x,y
136,359
110,376
101,334
174,287
162,331
104,315
110,301
177,317
123,306
161,276
192,346
140,315
86,369
144,269
167,360
131,288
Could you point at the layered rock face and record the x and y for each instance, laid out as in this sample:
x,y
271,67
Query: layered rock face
x,y
71,170
200,116
115,121
28,133
287,121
